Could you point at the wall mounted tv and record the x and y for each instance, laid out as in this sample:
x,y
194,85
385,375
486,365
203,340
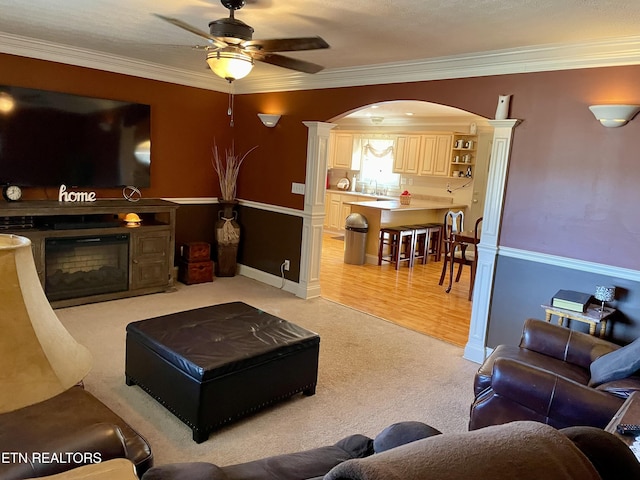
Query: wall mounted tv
x,y
49,138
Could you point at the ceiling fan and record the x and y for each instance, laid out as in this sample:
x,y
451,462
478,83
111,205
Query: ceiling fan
x,y
231,50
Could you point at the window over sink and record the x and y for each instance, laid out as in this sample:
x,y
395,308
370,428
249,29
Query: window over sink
x,y
376,168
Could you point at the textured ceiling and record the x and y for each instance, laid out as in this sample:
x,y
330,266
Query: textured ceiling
x,y
360,32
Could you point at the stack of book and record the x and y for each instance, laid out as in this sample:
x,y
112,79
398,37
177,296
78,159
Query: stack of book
x,y
571,300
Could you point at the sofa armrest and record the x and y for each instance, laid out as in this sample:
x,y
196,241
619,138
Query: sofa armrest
x,y
552,396
563,343
94,444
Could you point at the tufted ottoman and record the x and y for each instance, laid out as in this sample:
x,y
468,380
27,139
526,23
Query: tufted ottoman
x,y
213,365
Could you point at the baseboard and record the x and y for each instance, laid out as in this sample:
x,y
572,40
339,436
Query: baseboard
x,y
269,279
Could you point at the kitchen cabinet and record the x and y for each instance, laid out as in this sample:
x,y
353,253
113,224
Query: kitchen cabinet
x,y
341,151
407,152
463,155
426,154
335,211
338,208
435,154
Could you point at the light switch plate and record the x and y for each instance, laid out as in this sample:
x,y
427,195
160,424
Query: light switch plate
x,y
297,188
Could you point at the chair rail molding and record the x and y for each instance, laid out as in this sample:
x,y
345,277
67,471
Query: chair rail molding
x,y
475,349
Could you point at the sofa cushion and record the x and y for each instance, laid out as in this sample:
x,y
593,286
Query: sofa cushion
x,y
188,470
616,365
401,433
522,450
621,388
564,369
611,457
301,465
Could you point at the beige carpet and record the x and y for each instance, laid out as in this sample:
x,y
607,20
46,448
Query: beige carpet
x,y
372,373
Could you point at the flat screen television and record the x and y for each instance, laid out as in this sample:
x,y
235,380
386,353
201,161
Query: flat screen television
x,y
48,139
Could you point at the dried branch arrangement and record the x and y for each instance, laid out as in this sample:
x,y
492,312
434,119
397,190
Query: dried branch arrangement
x,y
228,170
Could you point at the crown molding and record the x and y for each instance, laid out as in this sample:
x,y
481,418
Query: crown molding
x,y
601,53
31,48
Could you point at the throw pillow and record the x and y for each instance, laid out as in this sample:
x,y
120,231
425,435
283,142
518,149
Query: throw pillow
x,y
616,365
402,433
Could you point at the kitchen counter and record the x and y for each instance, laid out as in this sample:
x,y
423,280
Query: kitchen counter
x,y
360,194
391,213
416,205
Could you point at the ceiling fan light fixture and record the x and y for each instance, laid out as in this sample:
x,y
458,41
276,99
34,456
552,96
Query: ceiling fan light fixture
x,y
230,63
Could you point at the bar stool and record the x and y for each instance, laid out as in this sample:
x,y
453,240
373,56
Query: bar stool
x,y
401,242
428,241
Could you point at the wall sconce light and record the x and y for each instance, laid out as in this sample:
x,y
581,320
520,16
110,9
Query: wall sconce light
x,y
614,115
269,120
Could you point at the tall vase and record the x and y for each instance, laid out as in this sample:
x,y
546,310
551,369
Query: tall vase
x,y
227,240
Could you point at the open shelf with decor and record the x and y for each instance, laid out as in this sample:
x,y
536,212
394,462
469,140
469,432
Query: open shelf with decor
x,y
463,155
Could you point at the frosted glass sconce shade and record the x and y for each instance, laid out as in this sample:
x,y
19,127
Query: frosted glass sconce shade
x,y
269,120
614,115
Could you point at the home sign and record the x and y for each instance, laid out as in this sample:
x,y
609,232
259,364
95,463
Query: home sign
x,y
64,196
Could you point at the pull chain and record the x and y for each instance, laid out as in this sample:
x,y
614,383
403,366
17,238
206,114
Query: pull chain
x,y
230,108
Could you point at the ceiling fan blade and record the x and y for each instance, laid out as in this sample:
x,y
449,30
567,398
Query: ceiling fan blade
x,y
288,62
286,44
179,23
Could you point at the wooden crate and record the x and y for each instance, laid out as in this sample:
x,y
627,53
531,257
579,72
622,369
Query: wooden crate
x,y
195,252
195,272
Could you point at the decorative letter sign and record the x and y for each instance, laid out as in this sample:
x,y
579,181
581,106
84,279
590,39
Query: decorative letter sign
x,y
64,196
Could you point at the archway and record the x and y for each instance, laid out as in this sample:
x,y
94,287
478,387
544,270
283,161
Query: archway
x,y
317,155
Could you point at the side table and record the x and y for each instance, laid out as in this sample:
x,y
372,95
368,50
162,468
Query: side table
x,y
592,316
629,413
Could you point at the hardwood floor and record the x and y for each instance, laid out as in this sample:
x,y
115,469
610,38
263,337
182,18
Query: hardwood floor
x,y
410,297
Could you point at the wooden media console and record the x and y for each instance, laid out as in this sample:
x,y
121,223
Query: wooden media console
x,y
86,252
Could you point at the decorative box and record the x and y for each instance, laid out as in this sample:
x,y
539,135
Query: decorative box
x,y
195,272
195,252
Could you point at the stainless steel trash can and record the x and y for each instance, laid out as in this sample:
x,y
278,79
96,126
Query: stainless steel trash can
x,y
355,239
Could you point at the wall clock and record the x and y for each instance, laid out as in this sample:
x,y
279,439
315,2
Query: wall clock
x,y
12,193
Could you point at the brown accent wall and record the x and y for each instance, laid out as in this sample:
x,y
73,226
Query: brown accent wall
x,y
571,188
184,123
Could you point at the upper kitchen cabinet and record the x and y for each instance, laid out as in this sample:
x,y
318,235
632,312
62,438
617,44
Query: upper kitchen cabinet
x,y
407,154
426,154
435,154
341,154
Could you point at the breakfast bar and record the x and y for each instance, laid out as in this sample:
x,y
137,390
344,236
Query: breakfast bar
x,y
391,213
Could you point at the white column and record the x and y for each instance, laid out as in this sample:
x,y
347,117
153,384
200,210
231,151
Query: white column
x,y
487,250
314,208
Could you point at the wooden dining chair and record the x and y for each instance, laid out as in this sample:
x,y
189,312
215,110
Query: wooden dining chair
x,y
457,252
474,251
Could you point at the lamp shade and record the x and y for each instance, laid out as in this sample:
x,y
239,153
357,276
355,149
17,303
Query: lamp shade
x,y
614,115
40,358
230,63
605,293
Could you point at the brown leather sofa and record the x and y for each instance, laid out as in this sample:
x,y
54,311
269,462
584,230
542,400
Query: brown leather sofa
x,y
520,450
547,379
71,422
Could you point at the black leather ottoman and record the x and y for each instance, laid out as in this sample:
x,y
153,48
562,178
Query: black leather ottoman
x,y
213,365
